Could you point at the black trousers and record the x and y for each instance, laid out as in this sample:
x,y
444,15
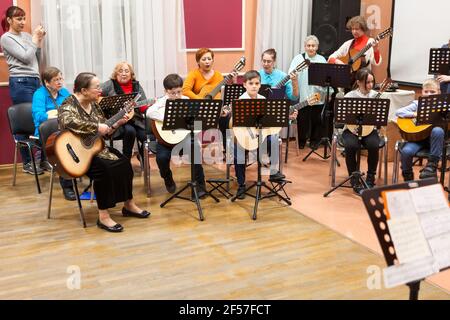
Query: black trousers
x,y
113,180
309,124
163,155
128,133
352,145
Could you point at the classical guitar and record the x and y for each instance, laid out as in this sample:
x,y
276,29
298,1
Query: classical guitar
x,y
366,130
412,132
355,58
71,155
209,92
247,137
169,138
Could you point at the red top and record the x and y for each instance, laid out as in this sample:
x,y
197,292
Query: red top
x,y
127,87
359,44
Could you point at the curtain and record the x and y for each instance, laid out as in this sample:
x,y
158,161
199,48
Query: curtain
x,y
282,25
94,35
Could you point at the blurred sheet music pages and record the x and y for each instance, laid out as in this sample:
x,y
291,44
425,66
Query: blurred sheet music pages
x,y
419,224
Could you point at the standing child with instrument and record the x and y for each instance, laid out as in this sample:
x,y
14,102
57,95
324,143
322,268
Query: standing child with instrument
x,y
434,142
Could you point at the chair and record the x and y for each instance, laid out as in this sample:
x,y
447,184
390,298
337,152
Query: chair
x,y
147,150
338,141
288,140
21,123
419,157
45,130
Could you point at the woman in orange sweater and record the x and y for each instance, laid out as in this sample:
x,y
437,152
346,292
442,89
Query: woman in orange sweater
x,y
201,81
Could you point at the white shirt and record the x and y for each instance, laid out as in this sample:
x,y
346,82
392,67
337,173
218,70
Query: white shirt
x,y
156,111
246,96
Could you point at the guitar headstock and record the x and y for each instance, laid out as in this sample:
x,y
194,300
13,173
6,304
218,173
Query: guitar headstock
x,y
385,85
313,99
302,66
386,33
129,105
240,64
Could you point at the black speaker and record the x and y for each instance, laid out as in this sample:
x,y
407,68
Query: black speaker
x,y
329,18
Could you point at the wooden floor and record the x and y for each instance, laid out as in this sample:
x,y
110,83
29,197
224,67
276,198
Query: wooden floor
x,y
172,255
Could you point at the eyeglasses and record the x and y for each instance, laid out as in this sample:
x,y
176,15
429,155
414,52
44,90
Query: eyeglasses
x,y
57,80
126,71
98,88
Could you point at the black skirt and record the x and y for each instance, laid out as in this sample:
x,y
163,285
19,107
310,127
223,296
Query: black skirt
x,y
113,180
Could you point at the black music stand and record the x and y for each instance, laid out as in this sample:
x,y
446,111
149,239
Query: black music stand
x,y
435,110
111,105
360,111
259,113
439,61
186,114
327,75
375,209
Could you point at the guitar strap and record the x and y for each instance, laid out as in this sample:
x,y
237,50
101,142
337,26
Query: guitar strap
x,y
51,97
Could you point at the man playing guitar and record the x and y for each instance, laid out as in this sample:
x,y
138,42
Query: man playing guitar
x,y
434,142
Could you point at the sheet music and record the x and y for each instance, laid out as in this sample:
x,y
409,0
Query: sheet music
x,y
440,246
435,223
409,241
399,204
406,273
429,198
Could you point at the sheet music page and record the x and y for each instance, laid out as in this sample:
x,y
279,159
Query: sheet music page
x,y
440,246
399,204
429,198
409,242
435,223
409,272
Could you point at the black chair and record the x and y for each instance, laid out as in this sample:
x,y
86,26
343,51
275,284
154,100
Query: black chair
x,y
21,123
45,130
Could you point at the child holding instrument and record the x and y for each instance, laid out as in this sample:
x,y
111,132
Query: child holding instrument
x,y
434,142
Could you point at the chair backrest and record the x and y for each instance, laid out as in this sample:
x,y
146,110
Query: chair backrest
x,y
45,130
20,119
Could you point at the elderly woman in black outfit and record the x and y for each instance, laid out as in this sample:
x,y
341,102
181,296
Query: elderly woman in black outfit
x,y
110,170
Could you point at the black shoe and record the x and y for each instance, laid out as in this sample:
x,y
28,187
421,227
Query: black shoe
x,y
170,184
314,145
370,180
45,166
301,144
116,228
277,176
356,185
69,194
408,176
430,170
241,192
28,168
142,215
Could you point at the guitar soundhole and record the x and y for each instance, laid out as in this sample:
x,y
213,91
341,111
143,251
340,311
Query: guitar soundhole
x,y
87,143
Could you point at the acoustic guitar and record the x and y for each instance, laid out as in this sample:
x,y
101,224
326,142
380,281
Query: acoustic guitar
x,y
209,92
412,132
169,138
366,130
355,58
71,155
300,67
247,137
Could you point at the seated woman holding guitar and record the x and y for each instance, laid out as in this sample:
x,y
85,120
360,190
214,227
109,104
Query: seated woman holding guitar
x,y
122,81
173,84
365,81
46,101
358,26
435,140
111,171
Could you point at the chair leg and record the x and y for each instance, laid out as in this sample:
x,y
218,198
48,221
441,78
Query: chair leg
x,y
386,163
147,170
395,164
33,161
280,154
50,194
333,161
15,164
77,193
91,190
296,140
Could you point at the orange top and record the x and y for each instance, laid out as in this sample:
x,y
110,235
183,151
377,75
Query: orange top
x,y
197,87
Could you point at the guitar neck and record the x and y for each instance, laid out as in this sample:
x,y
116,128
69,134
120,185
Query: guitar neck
x,y
283,82
217,88
300,105
362,52
119,115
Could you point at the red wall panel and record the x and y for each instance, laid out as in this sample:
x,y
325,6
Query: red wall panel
x,y
6,140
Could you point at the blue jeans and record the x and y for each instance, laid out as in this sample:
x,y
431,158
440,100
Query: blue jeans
x,y
21,89
410,149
